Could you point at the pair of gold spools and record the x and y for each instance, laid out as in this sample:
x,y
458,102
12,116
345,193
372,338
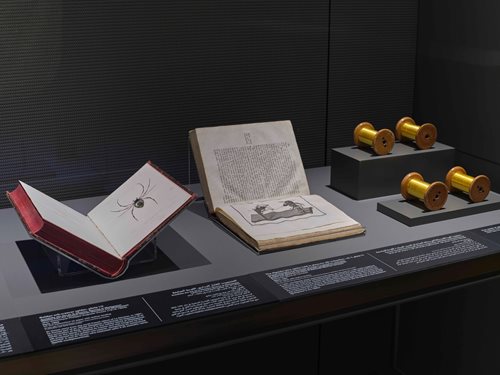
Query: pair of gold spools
x,y
382,141
434,195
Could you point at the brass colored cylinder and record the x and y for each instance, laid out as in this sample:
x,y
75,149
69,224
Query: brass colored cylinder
x,y
433,195
424,135
367,136
417,188
462,182
409,130
380,141
477,188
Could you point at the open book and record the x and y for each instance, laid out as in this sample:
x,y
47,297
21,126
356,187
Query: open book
x,y
254,181
107,237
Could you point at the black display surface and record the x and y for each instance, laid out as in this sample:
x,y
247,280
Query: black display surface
x,y
13,338
39,261
318,277
215,284
336,273
221,296
206,299
89,322
135,313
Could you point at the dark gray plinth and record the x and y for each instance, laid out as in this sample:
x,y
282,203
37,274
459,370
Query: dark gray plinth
x,y
361,174
413,213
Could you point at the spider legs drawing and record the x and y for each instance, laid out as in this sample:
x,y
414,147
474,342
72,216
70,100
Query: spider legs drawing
x,y
138,202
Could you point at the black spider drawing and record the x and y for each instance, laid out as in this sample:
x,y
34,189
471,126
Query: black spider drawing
x,y
137,202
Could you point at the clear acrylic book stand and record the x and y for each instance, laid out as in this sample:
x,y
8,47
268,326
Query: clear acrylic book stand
x,y
68,267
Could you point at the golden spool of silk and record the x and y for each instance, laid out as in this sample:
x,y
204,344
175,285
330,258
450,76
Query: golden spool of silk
x,y
433,195
424,135
380,141
477,188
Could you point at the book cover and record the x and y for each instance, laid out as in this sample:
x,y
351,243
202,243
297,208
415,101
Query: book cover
x,y
105,239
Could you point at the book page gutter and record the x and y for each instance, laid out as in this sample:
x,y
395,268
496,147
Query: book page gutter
x,y
68,219
137,207
257,161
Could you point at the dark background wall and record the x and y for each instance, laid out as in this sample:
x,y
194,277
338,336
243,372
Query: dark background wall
x,y
457,87
91,90
372,65
458,78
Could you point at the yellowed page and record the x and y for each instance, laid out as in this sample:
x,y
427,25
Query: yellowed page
x,y
251,162
68,219
292,216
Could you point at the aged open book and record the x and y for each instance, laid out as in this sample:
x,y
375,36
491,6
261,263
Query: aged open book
x,y
254,182
114,231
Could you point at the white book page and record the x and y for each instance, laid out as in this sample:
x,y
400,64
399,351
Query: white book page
x,y
68,219
251,161
125,223
271,219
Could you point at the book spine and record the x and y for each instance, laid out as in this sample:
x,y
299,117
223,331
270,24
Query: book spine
x,y
26,210
64,242
80,250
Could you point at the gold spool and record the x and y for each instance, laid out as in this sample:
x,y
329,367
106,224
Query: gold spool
x,y
380,141
477,188
424,136
433,195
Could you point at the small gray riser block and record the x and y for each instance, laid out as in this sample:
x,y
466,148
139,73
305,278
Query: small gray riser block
x,y
360,174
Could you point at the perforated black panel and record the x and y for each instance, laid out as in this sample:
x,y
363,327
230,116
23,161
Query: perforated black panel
x,y
372,65
458,79
90,90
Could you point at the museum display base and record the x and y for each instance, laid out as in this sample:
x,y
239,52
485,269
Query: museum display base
x,y
360,174
68,268
53,272
412,213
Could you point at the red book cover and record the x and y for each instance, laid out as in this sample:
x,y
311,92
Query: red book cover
x,y
114,231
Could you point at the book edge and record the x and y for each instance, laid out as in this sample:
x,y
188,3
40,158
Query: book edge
x,y
198,159
290,241
64,252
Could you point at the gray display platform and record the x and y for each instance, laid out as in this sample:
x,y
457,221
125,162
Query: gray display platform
x,y
361,174
226,276
413,213
221,255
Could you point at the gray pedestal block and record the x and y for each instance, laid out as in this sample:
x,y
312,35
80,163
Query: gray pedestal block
x,y
361,174
413,213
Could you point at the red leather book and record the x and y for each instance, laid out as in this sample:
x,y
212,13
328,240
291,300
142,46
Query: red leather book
x,y
114,231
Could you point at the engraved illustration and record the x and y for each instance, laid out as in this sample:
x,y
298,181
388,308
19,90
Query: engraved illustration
x,y
138,202
291,209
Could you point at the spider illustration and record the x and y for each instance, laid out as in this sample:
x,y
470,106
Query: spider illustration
x,y
137,202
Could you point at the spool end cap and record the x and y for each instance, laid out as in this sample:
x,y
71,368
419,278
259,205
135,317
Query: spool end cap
x,y
426,136
383,142
436,195
357,130
406,180
450,174
480,188
399,125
